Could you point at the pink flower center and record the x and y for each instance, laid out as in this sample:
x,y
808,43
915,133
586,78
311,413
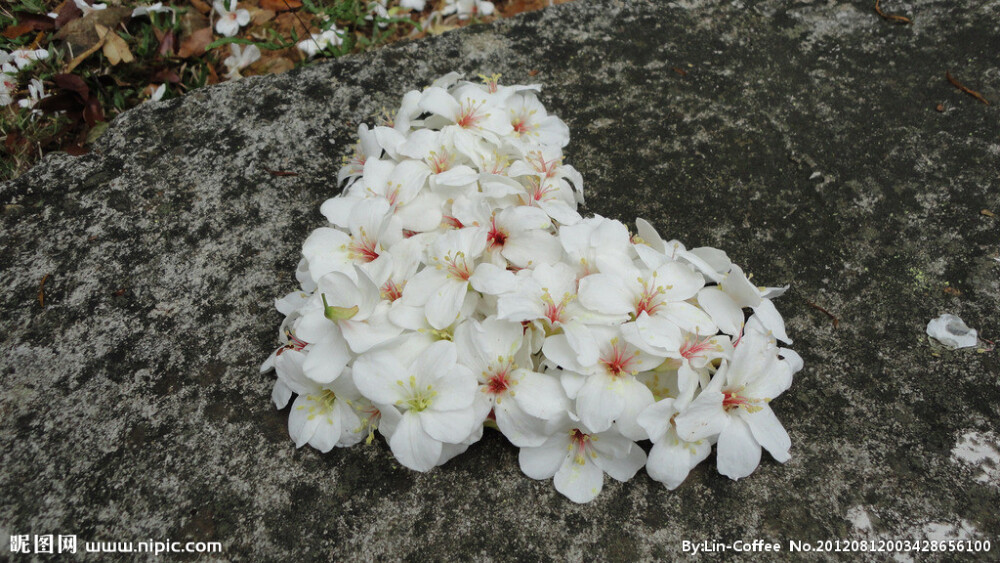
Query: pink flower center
x,y
618,361
520,126
363,248
732,399
470,114
496,237
451,221
440,162
391,292
548,167
582,444
650,301
695,349
457,267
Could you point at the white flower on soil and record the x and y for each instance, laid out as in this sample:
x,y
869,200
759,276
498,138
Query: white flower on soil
x,y
433,397
578,458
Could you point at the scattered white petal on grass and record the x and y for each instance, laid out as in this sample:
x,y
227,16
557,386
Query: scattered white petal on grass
x,y
240,59
151,9
231,19
36,92
319,42
416,5
88,9
158,92
23,58
952,331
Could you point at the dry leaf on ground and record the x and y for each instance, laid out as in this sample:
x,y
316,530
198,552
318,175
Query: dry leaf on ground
x,y
115,48
82,33
194,45
280,5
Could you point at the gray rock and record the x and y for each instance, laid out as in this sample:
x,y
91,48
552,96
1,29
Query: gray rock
x,y
801,137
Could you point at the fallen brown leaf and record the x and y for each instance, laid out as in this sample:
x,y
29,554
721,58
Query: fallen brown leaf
x,y
67,13
962,87
202,7
15,31
987,213
166,47
83,56
166,75
194,45
890,17
115,48
37,22
260,17
939,107
280,5
680,71
952,291
81,33
533,72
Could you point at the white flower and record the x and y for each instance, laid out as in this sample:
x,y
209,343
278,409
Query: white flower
x,y
442,287
671,458
373,229
88,9
602,379
578,459
458,287
158,92
36,92
466,8
433,395
735,408
156,8
522,400
230,19
416,5
6,87
240,59
322,414
25,57
376,8
319,42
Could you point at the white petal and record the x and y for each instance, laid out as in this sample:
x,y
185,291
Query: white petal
x,y
540,395
600,402
301,425
768,432
377,374
625,467
670,462
327,359
451,426
738,453
606,294
656,418
543,462
412,446
703,418
769,316
723,310
579,482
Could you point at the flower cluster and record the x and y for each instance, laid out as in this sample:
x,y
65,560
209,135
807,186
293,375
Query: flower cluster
x,y
457,286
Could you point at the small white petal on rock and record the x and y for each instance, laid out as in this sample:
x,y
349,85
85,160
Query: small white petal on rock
x,y
952,331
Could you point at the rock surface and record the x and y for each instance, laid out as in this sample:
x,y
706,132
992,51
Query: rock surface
x,y
801,137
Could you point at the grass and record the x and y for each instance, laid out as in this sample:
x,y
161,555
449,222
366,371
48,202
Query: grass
x,y
72,121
